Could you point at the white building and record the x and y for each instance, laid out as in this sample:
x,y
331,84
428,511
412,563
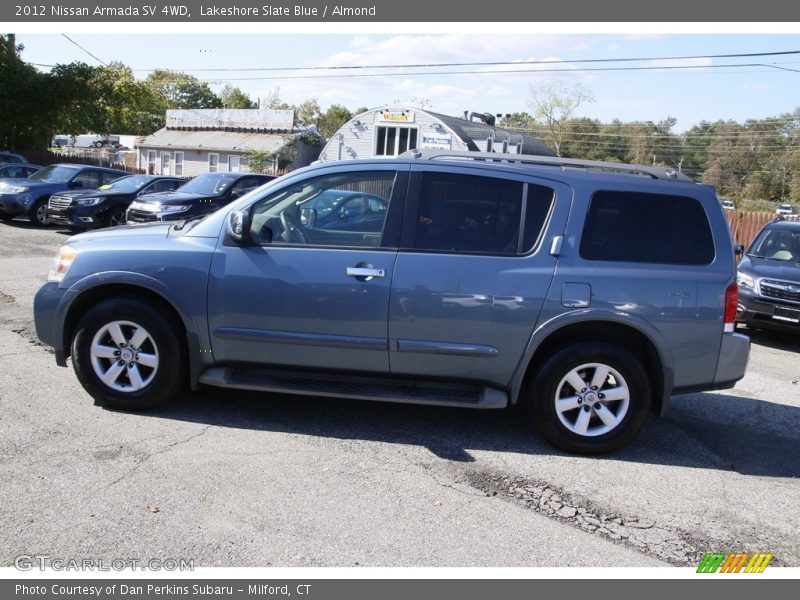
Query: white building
x,y
210,140
390,131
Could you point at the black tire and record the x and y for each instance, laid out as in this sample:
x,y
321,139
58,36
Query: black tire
x,y
38,213
115,216
569,429
155,384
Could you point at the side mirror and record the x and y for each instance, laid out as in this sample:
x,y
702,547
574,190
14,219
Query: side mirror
x,y
308,217
739,250
239,226
76,184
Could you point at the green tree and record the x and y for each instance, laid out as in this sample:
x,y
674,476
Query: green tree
x,y
332,119
233,97
308,113
26,104
179,90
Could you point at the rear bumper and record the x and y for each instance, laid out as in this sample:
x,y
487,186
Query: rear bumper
x,y
734,354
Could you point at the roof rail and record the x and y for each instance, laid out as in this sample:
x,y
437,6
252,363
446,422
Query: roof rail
x,y
550,161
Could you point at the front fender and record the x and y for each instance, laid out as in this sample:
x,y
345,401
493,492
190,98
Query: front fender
x,y
196,328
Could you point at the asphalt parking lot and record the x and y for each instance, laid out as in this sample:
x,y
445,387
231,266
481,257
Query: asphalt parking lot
x,y
242,479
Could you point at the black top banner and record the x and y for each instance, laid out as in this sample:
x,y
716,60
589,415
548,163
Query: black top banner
x,y
497,11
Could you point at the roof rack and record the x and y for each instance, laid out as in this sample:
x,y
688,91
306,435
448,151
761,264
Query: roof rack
x,y
550,161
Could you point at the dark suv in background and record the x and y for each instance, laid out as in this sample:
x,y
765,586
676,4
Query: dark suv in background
x,y
202,195
587,293
769,277
105,206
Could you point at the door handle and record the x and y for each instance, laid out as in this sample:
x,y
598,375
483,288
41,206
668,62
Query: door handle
x,y
365,273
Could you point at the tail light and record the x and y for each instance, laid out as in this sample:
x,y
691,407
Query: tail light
x,y
731,302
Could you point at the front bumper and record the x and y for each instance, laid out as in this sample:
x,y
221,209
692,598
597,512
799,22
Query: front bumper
x,y
13,204
756,310
75,218
140,216
49,328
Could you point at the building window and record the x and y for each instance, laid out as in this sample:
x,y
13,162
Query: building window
x,y
178,164
151,162
165,163
234,163
213,163
391,141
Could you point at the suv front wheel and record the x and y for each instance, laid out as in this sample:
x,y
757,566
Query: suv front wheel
x,y
590,397
127,355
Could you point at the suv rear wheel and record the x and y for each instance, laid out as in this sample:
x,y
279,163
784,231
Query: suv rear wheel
x,y
127,355
590,397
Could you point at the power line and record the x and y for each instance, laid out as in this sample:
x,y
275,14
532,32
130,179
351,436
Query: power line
x,y
84,49
487,63
495,72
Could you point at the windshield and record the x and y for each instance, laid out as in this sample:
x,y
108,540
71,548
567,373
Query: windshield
x,y
210,183
126,185
55,174
777,244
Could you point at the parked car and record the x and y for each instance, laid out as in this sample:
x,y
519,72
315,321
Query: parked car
x,y
202,195
587,295
17,170
29,196
11,157
769,277
785,209
105,206
727,204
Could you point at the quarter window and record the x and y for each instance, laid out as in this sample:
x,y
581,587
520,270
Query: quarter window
x,y
484,215
647,228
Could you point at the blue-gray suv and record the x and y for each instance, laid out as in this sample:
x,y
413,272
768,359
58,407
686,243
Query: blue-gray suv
x,y
587,293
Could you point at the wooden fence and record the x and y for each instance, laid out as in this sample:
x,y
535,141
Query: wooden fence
x,y
745,225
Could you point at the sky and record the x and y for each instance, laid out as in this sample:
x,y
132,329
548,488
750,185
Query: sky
x,y
709,90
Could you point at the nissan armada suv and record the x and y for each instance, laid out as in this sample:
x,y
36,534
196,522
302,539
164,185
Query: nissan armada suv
x,y
586,293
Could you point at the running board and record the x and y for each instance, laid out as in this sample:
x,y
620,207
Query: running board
x,y
338,386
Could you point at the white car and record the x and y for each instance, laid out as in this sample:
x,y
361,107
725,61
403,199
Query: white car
x,y
784,209
727,205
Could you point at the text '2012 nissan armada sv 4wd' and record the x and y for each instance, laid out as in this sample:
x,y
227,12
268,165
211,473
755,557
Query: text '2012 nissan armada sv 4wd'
x,y
586,292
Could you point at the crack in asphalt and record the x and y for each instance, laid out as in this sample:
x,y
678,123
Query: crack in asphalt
x,y
673,545
28,334
150,455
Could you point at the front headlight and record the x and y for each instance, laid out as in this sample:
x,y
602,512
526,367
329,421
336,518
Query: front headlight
x,y
61,263
745,281
88,201
14,189
173,207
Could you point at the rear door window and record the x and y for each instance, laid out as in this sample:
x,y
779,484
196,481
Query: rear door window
x,y
479,215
